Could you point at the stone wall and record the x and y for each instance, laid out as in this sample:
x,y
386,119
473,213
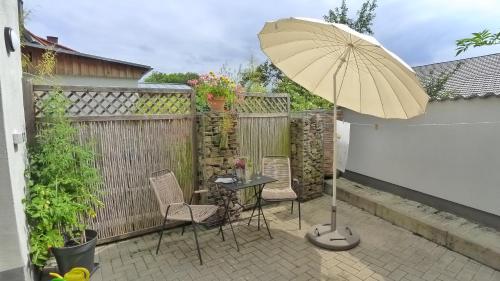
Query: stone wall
x,y
307,154
325,117
217,149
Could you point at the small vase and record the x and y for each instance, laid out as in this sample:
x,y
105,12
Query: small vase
x,y
248,174
240,174
217,104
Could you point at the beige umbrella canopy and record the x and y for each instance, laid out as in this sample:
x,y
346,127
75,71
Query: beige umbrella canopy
x,y
351,70
369,79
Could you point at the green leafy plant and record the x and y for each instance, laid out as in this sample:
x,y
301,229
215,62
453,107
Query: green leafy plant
x,y
225,127
478,39
300,98
435,83
178,78
213,86
62,187
251,78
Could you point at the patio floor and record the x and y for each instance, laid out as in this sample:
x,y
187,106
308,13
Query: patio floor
x,y
386,252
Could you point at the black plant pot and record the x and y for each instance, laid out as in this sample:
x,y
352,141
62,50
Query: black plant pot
x,y
80,255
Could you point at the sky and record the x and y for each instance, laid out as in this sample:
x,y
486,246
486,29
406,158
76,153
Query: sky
x,y
203,35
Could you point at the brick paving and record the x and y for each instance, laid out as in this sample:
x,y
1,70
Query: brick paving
x,y
386,252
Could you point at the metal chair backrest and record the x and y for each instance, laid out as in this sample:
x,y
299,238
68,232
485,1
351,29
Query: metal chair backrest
x,y
277,167
166,188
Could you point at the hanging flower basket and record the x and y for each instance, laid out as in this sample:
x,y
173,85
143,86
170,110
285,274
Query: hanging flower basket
x,y
216,90
217,103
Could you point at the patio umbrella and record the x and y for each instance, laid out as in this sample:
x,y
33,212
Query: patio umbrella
x,y
349,69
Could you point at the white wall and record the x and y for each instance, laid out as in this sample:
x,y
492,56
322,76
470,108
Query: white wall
x,y
459,163
13,238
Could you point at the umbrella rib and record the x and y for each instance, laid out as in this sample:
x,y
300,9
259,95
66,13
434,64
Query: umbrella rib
x,y
312,62
359,79
343,78
397,97
397,65
334,37
303,51
376,86
324,75
303,40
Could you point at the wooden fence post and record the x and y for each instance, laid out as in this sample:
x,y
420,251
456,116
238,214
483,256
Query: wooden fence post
x,y
29,110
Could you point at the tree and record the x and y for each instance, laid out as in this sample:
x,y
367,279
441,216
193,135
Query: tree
x,y
178,78
478,39
363,21
301,99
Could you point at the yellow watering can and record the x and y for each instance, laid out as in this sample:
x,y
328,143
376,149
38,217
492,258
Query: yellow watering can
x,y
75,274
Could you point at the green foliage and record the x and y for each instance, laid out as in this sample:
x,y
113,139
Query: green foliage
x,y
162,105
210,86
434,83
252,77
362,23
478,39
62,183
178,78
300,98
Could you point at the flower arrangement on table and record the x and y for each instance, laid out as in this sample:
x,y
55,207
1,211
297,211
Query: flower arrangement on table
x,y
244,168
217,90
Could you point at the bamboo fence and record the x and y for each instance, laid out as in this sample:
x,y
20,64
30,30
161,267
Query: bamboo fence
x,y
135,132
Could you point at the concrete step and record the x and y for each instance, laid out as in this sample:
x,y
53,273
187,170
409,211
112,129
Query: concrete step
x,y
455,233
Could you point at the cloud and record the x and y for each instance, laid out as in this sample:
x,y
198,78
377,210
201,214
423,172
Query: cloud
x,y
196,35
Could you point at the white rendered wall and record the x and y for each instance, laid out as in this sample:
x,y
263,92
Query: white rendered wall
x,y
459,163
13,237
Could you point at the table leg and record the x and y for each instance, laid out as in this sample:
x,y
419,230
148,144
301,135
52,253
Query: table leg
x,y
261,211
226,210
258,193
253,211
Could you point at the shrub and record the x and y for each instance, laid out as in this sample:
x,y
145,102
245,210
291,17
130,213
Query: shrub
x,y
62,186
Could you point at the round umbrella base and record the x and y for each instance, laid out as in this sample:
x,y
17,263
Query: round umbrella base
x,y
342,239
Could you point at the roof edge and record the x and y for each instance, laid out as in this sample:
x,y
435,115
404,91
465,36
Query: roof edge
x,y
75,53
457,60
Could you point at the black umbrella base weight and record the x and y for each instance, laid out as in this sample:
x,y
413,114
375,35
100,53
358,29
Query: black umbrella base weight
x,y
342,239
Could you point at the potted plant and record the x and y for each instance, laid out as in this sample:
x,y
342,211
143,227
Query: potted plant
x,y
217,90
62,192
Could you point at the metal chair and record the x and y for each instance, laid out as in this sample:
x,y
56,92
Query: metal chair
x,y
285,189
171,201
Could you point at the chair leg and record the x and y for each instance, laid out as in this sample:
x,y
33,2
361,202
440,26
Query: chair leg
x,y
300,218
291,211
161,231
183,227
197,244
221,231
232,230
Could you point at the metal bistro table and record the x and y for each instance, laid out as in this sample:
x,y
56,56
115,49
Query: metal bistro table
x,y
257,183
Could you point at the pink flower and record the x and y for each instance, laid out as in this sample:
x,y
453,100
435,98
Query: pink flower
x,y
210,96
192,82
240,163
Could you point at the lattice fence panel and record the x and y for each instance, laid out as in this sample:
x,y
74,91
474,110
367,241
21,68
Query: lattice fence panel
x,y
258,103
117,102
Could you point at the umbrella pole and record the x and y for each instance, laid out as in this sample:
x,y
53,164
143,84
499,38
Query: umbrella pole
x,y
327,236
334,164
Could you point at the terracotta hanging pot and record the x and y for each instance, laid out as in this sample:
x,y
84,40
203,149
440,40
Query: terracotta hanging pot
x,y
217,104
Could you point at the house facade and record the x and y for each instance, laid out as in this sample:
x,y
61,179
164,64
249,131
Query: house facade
x,y
448,157
13,234
80,69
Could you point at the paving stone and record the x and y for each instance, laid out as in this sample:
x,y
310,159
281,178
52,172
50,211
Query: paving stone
x,y
386,252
